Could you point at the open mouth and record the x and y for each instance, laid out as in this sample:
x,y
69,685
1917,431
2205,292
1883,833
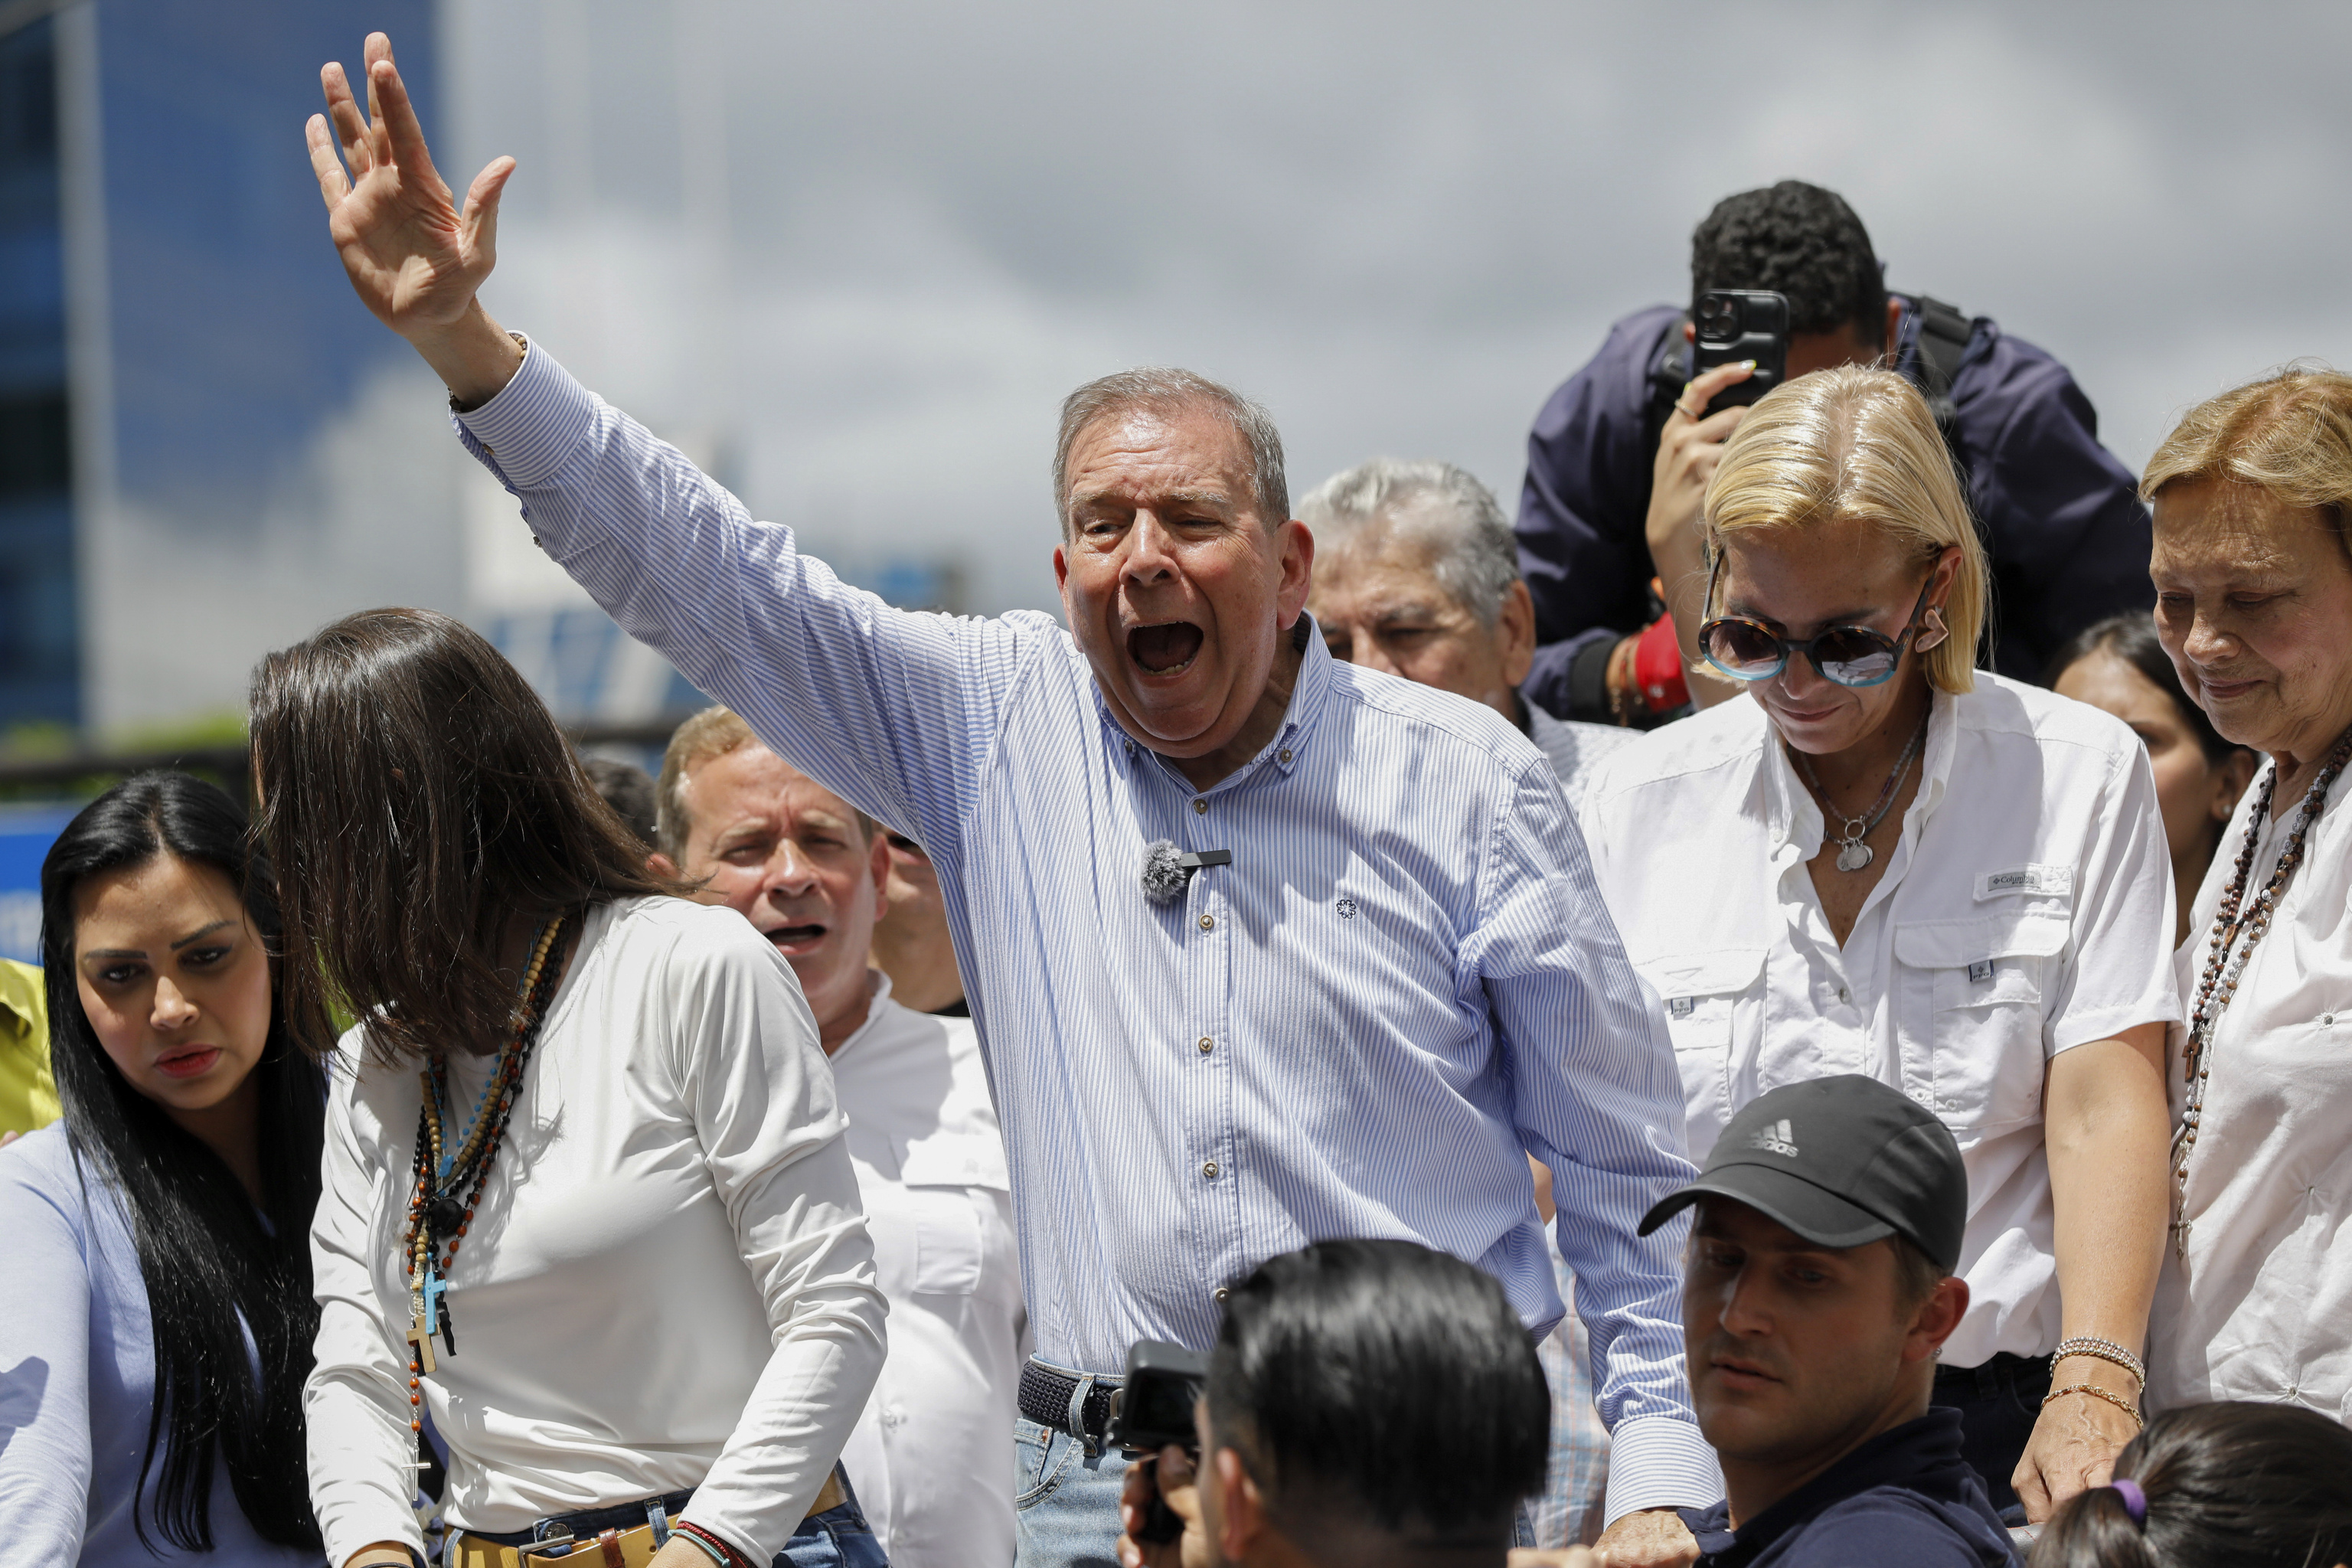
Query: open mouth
x,y
789,939
1163,649
188,1063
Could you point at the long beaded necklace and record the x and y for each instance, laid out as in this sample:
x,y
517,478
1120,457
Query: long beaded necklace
x,y
2225,957
437,1215
1853,853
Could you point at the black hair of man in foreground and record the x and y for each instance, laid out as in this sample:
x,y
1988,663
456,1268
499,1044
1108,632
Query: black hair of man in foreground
x,y
1369,1405
1817,1291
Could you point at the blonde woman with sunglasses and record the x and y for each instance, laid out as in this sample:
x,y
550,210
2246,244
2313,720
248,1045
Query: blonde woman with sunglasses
x,y
1866,856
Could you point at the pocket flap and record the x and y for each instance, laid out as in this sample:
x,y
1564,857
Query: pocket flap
x,y
953,1161
1704,974
1952,944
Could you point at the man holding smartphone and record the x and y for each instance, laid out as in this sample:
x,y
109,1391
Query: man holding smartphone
x,y
1622,453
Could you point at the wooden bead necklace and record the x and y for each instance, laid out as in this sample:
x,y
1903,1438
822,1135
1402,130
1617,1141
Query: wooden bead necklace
x,y
2225,957
437,1216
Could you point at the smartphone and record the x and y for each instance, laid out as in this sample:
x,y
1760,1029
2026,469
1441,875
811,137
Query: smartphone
x,y
1735,324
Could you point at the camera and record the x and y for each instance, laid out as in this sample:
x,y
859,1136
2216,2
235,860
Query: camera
x,y
1154,1406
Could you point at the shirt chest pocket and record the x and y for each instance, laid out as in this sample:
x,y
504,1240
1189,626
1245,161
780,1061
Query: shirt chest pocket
x,y
1973,1005
1700,992
941,1220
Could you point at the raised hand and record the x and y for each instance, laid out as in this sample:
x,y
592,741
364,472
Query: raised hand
x,y
414,257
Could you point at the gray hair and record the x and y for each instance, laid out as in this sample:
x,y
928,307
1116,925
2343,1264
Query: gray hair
x,y
1473,555
1158,389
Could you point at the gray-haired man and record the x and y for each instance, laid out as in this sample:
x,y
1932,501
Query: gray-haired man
x,y
1387,975
1416,573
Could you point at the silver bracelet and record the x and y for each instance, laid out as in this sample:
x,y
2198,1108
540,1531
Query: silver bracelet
x,y
2101,1349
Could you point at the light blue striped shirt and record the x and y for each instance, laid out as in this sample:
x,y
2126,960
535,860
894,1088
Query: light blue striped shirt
x,y
1404,978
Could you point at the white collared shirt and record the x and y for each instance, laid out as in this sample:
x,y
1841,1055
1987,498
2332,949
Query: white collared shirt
x,y
931,1458
2026,909
2263,1308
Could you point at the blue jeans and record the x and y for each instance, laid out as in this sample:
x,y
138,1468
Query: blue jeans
x,y
1066,1506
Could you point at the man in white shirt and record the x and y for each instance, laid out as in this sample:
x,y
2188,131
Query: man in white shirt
x,y
931,1456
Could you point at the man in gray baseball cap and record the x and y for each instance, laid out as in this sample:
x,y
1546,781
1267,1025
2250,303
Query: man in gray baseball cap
x,y
1817,1291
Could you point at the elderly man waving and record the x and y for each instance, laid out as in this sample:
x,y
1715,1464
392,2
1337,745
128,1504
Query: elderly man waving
x,y
1369,965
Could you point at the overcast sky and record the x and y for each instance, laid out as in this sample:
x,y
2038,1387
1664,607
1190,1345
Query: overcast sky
x,y
855,255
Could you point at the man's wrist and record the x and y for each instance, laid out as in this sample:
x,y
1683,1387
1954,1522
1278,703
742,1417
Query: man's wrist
x,y
474,356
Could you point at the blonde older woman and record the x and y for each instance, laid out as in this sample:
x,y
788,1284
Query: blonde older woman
x,y
1885,861
2253,577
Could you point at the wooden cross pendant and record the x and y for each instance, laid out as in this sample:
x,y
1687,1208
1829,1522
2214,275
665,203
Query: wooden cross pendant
x,y
420,1334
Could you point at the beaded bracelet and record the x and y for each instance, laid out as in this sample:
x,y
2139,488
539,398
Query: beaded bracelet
x,y
2101,1349
2096,1391
720,1552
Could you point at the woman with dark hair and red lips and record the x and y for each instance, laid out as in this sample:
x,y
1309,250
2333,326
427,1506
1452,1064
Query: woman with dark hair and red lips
x,y
156,1309
2253,576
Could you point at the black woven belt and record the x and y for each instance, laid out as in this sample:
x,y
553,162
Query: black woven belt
x,y
1045,1399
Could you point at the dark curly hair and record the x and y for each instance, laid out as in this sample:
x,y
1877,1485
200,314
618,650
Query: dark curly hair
x,y
1799,241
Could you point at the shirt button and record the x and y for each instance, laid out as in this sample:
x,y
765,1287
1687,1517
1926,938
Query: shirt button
x,y
1843,995
2326,1018
1200,805
1210,1169
1285,754
1207,1045
1219,1294
1208,922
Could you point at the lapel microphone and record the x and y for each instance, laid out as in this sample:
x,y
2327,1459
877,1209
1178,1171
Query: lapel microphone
x,y
1167,872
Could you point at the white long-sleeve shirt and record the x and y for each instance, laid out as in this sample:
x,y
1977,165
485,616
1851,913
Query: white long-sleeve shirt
x,y
2263,1308
668,1282
932,1456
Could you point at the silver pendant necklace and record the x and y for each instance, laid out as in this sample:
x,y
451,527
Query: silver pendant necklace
x,y
1853,853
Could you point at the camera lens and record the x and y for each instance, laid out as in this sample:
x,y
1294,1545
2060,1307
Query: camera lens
x,y
1718,319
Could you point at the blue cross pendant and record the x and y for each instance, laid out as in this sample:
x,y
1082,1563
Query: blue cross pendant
x,y
436,1311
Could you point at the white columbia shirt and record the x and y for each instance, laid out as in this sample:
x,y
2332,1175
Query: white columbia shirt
x,y
2263,1308
2027,908
668,1282
932,1456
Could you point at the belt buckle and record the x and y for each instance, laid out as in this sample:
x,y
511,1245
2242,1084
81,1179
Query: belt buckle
x,y
552,1546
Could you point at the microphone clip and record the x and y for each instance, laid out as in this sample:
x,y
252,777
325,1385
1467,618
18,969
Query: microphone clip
x,y
1167,872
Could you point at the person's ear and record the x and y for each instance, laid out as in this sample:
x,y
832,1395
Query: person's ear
x,y
2229,782
1690,333
1240,1509
878,851
1937,1317
1893,327
1514,632
1298,564
662,864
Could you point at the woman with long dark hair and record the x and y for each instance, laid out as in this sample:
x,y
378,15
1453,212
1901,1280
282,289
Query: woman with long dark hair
x,y
2230,1484
2119,667
156,1309
587,1196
